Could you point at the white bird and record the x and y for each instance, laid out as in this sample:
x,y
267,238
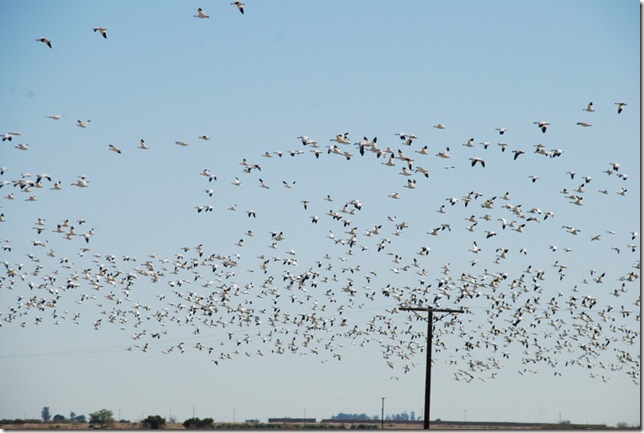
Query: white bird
x,y
205,172
620,106
475,248
479,160
201,14
439,126
102,30
470,143
424,171
45,41
114,148
81,183
308,141
204,137
142,145
542,125
584,124
181,143
55,116
589,108
342,138
423,150
407,138
444,154
22,147
82,124
390,162
240,6
501,130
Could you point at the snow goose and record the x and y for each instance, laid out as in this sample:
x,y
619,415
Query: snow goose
x,y
542,125
308,141
423,150
479,160
390,161
114,148
470,143
102,30
407,138
262,184
45,41
501,130
424,171
201,14
444,154
584,124
206,172
181,143
142,145
620,106
22,147
82,124
204,137
405,171
589,107
240,6
342,138
55,116
439,126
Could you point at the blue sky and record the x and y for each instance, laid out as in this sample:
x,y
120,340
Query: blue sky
x,y
254,83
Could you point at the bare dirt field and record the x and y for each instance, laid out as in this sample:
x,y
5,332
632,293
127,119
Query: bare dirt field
x,y
314,426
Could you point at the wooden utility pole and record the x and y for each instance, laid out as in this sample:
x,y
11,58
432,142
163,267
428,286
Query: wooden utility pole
x,y
428,367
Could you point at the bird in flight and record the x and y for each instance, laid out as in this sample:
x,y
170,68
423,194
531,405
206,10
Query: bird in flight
x,y
44,40
201,14
240,6
102,30
620,105
542,125
479,160
589,108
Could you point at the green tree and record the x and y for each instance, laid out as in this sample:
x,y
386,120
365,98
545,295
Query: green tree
x,y
46,416
59,418
103,417
154,422
196,423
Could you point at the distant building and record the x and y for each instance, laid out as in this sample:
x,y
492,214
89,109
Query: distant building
x,y
292,420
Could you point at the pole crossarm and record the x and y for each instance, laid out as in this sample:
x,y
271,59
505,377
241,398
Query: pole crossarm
x,y
435,310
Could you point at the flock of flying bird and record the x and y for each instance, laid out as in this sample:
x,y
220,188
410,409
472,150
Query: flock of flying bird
x,y
280,302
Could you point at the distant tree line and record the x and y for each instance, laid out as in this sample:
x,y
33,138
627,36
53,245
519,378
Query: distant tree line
x,y
45,414
403,416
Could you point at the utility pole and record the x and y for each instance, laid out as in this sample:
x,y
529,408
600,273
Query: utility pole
x,y
428,367
382,415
